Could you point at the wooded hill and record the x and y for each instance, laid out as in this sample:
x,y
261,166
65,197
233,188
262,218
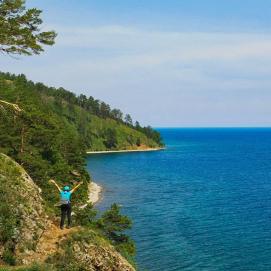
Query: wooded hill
x,y
55,128
47,131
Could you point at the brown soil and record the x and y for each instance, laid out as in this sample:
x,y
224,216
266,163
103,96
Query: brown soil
x,y
49,243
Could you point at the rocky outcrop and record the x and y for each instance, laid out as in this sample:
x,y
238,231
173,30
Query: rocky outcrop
x,y
101,258
89,251
23,219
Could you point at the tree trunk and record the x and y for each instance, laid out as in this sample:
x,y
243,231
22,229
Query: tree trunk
x,y
22,139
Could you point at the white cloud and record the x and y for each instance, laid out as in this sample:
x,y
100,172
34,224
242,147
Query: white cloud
x,y
174,71
187,45
115,51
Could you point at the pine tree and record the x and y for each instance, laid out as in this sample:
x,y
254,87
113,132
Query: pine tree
x,y
19,29
114,224
128,119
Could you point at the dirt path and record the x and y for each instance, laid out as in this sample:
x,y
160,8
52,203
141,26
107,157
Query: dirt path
x,y
50,240
49,243
52,237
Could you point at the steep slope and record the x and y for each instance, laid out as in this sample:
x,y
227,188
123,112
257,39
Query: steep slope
x,y
100,126
48,244
48,131
22,216
27,235
54,128
86,250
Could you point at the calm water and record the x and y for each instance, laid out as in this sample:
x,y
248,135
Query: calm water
x,y
202,204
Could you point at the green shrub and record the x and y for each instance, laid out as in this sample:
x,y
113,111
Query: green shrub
x,y
86,216
34,267
8,257
66,261
113,225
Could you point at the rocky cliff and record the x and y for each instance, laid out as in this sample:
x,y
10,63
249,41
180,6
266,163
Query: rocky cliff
x,y
27,235
87,250
22,216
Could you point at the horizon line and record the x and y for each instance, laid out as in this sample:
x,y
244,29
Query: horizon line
x,y
211,127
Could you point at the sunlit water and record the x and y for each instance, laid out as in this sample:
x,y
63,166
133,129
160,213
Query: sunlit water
x,y
204,203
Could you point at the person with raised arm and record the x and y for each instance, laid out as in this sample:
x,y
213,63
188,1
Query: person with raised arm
x,y
65,202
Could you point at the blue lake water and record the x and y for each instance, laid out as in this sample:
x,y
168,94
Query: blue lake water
x,y
204,203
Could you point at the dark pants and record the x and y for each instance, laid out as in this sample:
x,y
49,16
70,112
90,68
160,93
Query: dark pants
x,y
66,210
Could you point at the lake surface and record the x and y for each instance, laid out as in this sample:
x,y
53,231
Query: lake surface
x,y
204,203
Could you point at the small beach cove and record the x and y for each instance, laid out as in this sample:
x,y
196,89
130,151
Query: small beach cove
x,y
94,194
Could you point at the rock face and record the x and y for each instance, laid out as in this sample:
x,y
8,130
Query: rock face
x,y
22,215
88,251
102,258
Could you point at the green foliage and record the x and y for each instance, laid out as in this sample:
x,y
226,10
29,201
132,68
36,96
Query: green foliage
x,y
101,110
97,130
67,260
128,120
86,216
19,29
46,143
88,240
151,133
110,136
49,138
122,136
113,225
34,267
8,257
9,218
17,210
52,133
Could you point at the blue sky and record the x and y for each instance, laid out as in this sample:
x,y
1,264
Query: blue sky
x,y
168,63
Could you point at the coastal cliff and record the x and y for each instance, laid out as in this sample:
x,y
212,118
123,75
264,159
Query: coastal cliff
x,y
28,236
48,132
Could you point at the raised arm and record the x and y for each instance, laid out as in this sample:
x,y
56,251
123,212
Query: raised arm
x,y
76,187
53,182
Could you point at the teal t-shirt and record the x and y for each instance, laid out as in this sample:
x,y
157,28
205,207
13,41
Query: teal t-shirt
x,y
65,196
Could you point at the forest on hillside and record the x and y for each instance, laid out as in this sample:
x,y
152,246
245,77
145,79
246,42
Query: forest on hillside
x,y
47,131
54,128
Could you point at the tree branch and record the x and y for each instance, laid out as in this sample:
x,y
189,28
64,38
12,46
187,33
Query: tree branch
x,y
14,106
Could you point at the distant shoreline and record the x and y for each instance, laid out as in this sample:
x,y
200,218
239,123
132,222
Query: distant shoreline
x,y
122,151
